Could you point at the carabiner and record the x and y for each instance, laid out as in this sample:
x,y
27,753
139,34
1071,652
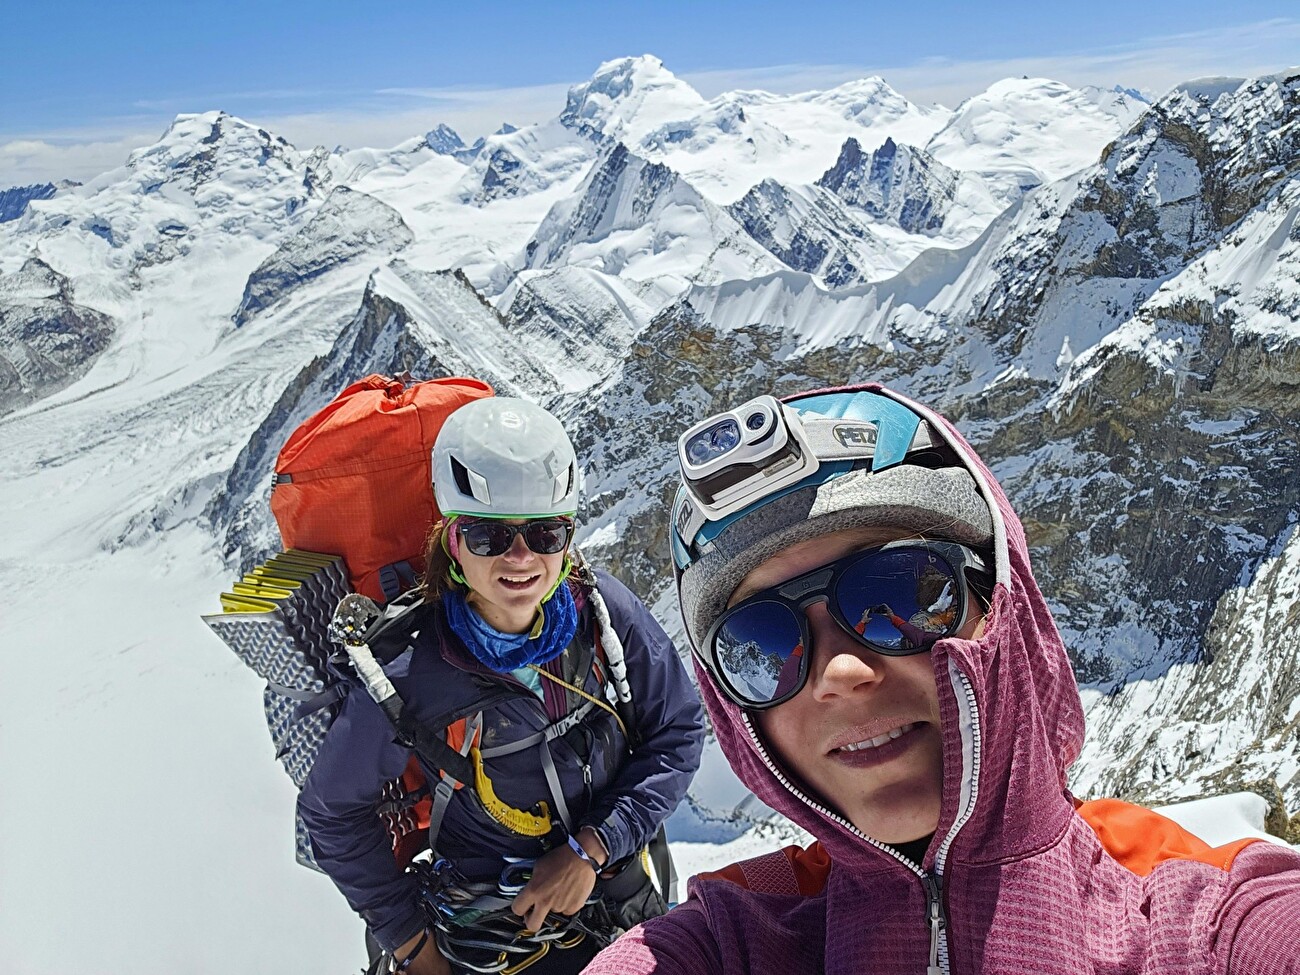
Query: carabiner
x,y
515,875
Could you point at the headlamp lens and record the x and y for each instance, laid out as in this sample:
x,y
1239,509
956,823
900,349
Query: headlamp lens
x,y
713,442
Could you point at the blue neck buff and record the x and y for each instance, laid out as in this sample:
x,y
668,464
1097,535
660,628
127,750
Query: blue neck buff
x,y
504,652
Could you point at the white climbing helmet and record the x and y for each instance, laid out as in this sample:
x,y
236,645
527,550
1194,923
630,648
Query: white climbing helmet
x,y
500,457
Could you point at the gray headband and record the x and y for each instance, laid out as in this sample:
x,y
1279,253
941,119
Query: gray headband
x,y
943,503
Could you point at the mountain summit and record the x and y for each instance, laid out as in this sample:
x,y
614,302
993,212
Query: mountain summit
x,y
627,98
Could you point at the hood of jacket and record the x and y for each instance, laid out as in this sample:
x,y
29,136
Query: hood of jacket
x,y
1011,719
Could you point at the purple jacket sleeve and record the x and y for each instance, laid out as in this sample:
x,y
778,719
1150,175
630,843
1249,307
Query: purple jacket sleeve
x,y
678,943
337,805
1259,925
655,776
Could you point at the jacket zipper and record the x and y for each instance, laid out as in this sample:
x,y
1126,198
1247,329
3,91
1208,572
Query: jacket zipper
x,y
934,911
971,746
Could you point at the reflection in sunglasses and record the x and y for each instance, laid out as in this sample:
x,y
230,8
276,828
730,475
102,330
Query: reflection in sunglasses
x,y
789,675
896,599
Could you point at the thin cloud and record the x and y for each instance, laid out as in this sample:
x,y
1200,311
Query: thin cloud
x,y
384,117
471,112
185,103
459,95
1153,65
25,162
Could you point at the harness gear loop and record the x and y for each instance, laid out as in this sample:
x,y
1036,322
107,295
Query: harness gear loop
x,y
477,931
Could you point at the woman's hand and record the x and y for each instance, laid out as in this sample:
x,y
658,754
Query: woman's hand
x,y
427,961
561,882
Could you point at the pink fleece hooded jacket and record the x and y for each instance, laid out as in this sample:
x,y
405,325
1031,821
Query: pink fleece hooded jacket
x,y
1014,880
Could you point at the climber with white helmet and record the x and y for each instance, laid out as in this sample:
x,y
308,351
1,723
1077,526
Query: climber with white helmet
x,y
566,729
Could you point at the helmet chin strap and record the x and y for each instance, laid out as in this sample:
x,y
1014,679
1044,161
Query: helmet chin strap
x,y
540,621
452,547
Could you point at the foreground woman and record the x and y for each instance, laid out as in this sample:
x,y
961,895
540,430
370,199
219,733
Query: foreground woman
x,y
880,666
579,722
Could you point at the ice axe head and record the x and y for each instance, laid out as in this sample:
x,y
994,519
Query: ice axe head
x,y
353,616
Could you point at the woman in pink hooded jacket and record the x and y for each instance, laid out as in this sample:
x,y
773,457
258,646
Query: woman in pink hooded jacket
x,y
933,777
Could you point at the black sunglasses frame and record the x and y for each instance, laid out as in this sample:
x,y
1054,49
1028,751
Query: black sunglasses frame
x,y
819,585
547,524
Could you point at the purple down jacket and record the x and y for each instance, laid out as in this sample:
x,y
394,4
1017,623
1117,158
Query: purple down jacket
x,y
1023,883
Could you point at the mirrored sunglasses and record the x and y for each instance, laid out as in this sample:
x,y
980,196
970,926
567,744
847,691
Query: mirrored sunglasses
x,y
898,600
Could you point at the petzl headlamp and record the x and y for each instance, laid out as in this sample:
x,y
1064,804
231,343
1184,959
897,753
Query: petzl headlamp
x,y
733,458
765,447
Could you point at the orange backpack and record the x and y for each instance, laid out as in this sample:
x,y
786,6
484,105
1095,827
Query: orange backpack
x,y
1137,838
354,479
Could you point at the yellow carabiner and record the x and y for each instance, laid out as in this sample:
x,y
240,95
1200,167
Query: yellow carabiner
x,y
519,821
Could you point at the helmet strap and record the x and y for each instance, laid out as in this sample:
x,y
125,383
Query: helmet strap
x,y
452,548
540,621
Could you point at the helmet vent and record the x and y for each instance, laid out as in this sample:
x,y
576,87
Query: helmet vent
x,y
468,483
461,473
563,484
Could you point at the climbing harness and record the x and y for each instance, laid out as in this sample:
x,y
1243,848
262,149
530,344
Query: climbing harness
x,y
476,929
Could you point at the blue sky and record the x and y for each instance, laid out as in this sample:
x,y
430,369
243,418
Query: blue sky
x,y
82,82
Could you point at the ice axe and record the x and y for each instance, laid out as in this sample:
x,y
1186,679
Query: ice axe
x,y
354,617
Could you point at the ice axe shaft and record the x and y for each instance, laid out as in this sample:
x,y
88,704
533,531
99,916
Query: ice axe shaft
x,y
353,617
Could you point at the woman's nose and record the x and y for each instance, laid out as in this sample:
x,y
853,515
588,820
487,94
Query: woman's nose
x,y
518,550
840,664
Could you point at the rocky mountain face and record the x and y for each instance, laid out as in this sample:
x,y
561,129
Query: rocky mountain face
x,y
47,339
1120,341
589,316
898,184
347,226
639,221
1137,394
444,140
14,200
810,231
868,216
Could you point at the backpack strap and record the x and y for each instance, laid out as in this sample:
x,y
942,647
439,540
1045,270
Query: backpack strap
x,y
447,782
769,874
542,740
432,748
310,701
791,870
395,578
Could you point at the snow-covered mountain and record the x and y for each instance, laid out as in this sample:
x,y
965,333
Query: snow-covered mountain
x,y
1123,344
49,339
868,216
1102,293
1021,133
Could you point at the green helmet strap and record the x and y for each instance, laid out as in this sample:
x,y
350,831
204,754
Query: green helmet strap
x,y
540,622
